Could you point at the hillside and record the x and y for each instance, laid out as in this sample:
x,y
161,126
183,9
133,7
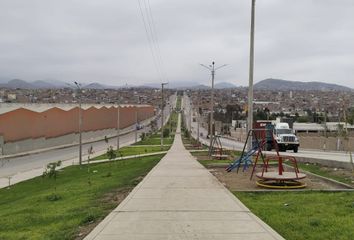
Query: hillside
x,y
279,85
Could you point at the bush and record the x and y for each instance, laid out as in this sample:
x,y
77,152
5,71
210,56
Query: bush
x,y
142,136
166,132
186,133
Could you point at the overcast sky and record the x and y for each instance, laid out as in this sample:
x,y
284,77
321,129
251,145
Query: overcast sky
x,y
105,40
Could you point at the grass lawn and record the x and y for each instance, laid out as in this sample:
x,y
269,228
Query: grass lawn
x,y
304,215
316,169
27,210
178,103
135,150
154,141
206,163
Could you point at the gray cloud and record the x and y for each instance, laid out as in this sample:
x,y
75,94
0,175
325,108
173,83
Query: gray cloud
x,y
105,41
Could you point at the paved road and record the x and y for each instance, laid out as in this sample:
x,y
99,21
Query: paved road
x,y
20,165
15,165
180,199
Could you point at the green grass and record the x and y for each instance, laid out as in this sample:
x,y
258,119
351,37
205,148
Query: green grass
x,y
178,103
209,162
155,141
304,215
27,213
316,169
200,153
135,150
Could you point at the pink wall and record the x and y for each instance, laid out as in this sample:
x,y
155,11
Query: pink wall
x,y
23,123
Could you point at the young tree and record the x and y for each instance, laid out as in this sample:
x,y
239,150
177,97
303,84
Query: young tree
x,y
52,172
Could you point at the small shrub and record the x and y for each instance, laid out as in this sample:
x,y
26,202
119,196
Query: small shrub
x,y
109,174
142,136
111,154
52,172
166,132
89,219
314,222
53,197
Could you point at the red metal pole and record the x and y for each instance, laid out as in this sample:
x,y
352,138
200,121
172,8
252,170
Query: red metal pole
x,y
280,166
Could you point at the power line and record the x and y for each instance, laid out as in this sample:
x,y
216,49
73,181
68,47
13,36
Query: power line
x,y
150,41
151,34
154,33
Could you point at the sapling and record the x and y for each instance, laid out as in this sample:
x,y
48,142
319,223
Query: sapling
x,y
111,154
52,172
89,152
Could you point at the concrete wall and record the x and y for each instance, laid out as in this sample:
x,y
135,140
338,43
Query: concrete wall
x,y
41,143
22,124
239,134
330,143
24,130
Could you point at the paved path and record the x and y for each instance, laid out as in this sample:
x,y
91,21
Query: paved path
x,y
180,199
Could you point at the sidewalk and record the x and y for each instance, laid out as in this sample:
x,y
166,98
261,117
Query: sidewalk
x,y
180,199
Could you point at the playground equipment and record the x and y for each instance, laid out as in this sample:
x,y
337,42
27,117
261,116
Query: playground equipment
x,y
216,149
269,179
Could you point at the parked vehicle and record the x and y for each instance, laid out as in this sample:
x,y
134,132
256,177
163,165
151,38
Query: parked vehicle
x,y
139,126
285,138
280,132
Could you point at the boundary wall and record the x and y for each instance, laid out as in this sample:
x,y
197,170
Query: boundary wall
x,y
24,130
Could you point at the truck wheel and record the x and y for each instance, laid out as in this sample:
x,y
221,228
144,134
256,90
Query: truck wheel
x,y
296,149
269,147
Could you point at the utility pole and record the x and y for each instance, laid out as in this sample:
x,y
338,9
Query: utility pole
x,y
212,69
162,108
251,70
190,120
80,122
118,123
198,116
136,124
170,118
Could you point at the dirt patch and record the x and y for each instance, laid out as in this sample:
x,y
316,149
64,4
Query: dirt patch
x,y
241,181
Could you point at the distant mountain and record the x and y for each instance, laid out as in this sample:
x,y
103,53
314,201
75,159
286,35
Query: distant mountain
x,y
47,84
200,86
18,83
190,85
280,84
43,84
95,86
223,85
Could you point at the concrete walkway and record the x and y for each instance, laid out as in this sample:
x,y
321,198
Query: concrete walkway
x,y
180,199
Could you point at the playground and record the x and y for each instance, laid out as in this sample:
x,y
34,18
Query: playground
x,y
254,170
241,181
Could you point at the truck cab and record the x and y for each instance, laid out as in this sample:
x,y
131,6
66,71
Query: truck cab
x,y
285,137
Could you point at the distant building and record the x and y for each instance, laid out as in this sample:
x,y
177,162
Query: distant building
x,y
11,96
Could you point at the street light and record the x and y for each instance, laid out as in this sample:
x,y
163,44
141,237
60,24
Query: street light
x,y
162,108
212,69
79,90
